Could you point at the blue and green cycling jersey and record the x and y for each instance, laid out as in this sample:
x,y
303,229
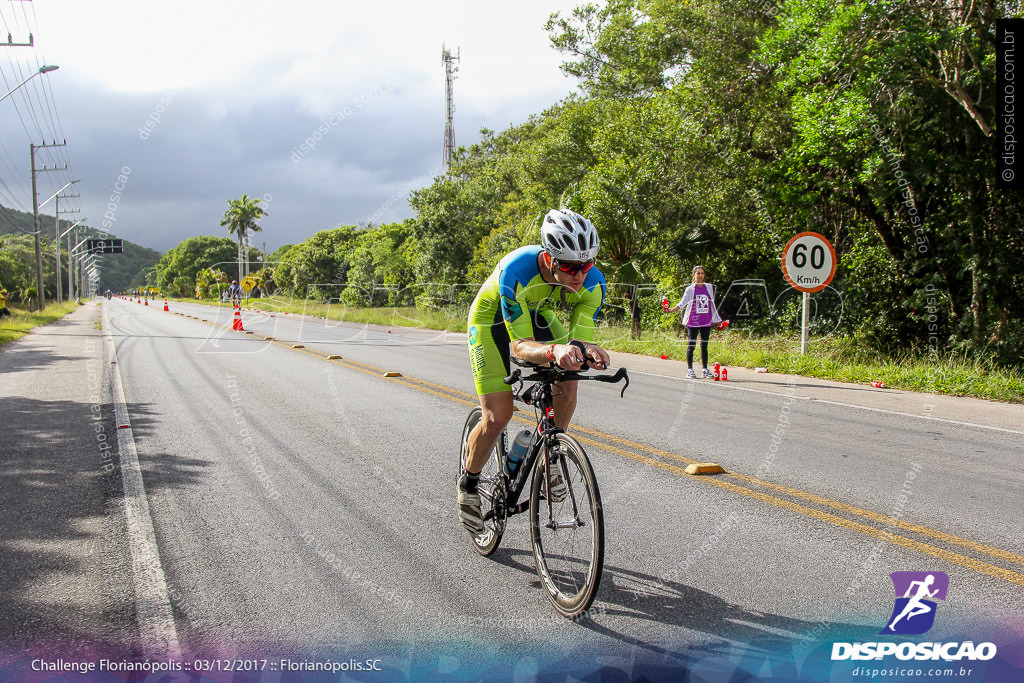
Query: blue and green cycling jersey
x,y
516,303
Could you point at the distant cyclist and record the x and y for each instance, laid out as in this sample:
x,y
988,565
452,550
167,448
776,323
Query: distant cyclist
x,y
515,308
235,293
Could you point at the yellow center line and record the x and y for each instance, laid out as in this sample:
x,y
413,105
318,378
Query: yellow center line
x,y
633,444
884,534
821,500
885,519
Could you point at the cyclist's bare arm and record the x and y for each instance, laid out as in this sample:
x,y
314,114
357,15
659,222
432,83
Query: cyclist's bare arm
x,y
566,356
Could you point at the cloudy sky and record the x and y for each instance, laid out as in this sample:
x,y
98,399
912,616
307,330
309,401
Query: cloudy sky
x,y
197,102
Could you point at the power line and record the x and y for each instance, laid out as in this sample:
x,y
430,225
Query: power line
x,y
35,105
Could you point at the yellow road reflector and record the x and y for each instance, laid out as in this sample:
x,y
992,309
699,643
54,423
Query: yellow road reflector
x,y
298,346
269,338
703,468
247,331
392,374
334,357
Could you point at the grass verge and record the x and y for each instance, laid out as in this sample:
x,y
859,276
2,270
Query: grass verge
x,y
842,359
22,321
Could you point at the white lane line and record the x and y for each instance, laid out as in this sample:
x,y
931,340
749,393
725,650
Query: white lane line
x,y
733,387
157,633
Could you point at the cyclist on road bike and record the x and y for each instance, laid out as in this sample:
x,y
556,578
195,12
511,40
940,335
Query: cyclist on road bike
x,y
515,308
235,293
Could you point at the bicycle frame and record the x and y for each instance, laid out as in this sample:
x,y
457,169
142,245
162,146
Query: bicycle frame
x,y
540,396
544,432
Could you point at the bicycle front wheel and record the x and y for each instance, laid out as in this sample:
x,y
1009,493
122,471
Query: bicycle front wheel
x,y
491,489
567,528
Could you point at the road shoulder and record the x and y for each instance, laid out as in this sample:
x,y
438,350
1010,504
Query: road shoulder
x,y
65,579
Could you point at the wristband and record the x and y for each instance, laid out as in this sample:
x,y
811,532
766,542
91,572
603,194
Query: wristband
x,y
551,353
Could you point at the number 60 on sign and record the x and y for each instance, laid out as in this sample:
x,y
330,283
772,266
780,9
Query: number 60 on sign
x,y
809,262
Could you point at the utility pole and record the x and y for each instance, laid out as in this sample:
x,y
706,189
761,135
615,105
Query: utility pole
x,y
56,242
35,217
449,122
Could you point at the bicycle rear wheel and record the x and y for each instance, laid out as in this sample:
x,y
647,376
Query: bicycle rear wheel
x,y
491,488
568,535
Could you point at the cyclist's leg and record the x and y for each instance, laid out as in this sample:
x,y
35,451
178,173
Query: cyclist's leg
x,y
478,447
564,403
497,411
489,360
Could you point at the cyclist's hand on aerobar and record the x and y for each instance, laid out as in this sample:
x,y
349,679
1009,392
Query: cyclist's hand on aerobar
x,y
571,356
598,357
568,357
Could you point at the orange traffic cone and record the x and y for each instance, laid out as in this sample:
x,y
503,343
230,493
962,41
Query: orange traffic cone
x,y
237,323
147,301
165,306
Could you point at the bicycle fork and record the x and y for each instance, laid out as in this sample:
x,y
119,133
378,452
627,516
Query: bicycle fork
x,y
552,459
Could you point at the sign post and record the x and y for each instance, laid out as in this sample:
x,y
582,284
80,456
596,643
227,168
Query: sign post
x,y
808,264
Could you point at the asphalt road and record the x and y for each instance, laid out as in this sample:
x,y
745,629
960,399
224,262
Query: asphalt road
x,y
306,504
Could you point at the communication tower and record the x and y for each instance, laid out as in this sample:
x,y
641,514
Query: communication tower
x,y
448,59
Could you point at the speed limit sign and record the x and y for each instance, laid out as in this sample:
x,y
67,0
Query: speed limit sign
x,y
809,262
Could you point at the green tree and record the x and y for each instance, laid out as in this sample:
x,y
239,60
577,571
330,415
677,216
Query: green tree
x,y
18,267
892,120
15,273
207,281
176,271
240,219
382,266
317,268
625,49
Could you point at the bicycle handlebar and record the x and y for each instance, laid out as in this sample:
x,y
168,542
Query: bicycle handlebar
x,y
552,374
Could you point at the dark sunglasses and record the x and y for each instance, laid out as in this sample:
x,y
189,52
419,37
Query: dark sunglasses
x,y
574,268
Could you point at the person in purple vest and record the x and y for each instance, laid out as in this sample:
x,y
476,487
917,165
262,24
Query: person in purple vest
x,y
699,315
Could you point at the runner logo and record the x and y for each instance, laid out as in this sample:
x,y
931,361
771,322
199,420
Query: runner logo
x,y
914,611
913,614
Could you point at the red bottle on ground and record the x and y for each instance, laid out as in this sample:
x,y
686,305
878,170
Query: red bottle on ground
x,y
718,375
725,374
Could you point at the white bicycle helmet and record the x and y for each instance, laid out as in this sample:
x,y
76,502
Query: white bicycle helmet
x,y
568,236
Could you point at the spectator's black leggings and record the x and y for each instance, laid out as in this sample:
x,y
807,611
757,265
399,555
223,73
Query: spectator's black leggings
x,y
705,333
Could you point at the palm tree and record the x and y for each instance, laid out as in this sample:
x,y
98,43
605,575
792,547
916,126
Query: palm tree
x,y
240,219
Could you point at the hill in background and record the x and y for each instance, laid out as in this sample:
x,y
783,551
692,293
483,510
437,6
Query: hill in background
x,y
119,272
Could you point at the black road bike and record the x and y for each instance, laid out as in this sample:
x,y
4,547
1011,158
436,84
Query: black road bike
x,y
567,528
